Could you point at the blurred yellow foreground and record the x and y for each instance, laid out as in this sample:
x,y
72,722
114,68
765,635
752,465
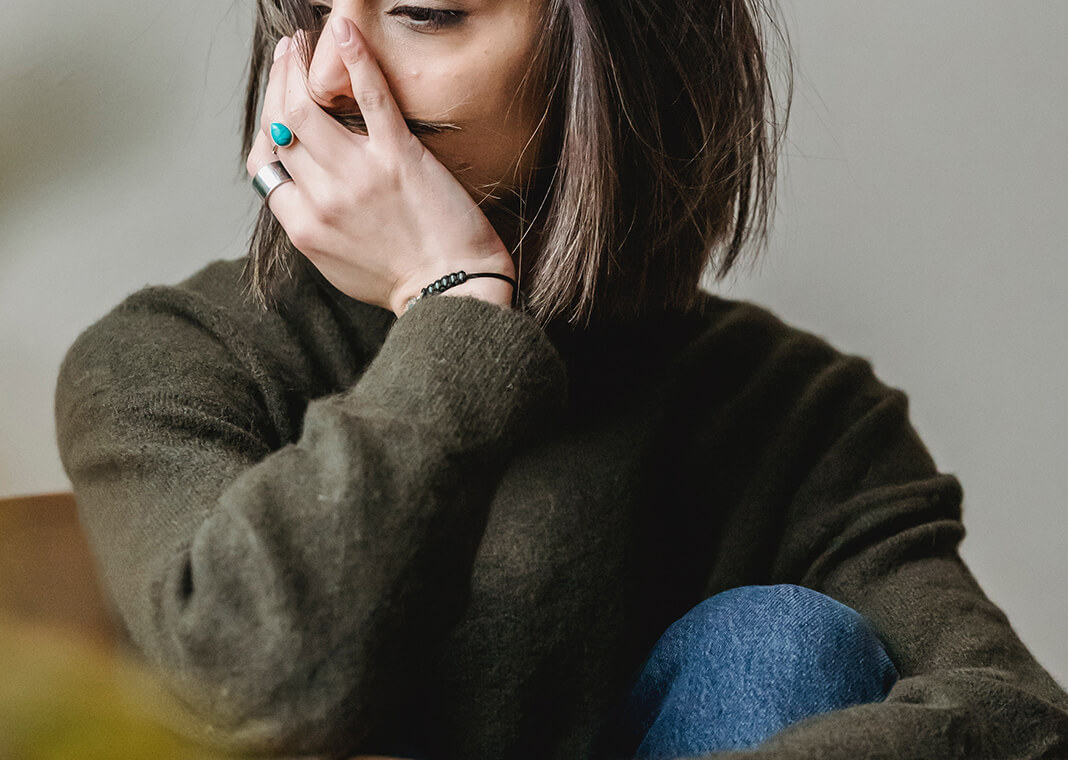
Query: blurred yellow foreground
x,y
65,699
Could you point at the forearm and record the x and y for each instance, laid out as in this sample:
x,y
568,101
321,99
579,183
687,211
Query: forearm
x,y
290,607
876,527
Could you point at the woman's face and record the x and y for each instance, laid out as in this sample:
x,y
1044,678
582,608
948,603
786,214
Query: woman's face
x,y
454,61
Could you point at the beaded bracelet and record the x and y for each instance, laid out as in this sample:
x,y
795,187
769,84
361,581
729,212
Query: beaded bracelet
x,y
458,278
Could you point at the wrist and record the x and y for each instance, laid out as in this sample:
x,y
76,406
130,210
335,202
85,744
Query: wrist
x,y
482,279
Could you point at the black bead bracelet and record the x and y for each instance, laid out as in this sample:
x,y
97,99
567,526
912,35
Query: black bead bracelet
x,y
458,278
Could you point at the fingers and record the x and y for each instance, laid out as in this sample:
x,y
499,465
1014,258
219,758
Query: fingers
x,y
328,79
273,103
274,96
326,161
284,196
319,135
368,83
282,100
343,67
287,201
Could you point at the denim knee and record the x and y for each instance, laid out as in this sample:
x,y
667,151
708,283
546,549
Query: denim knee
x,y
747,662
789,632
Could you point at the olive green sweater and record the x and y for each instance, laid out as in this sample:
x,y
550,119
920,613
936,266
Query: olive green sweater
x,y
338,531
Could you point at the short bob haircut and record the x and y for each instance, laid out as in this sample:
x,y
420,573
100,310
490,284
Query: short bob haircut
x,y
657,159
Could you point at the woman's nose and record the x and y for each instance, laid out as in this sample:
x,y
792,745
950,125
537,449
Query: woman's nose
x,y
328,79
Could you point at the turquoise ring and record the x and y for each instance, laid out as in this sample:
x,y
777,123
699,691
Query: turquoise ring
x,y
281,134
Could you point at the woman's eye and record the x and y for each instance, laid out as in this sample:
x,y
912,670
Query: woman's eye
x,y
320,11
428,19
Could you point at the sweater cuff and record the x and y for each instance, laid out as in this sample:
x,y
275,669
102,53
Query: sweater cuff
x,y
474,372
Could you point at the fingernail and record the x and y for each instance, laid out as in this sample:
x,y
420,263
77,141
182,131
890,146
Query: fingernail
x,y
342,32
281,48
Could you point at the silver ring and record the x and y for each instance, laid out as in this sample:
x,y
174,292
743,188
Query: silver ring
x,y
268,179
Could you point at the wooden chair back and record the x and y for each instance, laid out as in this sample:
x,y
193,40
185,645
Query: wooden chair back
x,y
47,574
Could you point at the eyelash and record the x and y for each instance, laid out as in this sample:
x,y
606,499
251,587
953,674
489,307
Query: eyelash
x,y
429,19
425,19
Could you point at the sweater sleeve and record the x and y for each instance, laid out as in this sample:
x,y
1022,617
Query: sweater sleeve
x,y
875,526
291,593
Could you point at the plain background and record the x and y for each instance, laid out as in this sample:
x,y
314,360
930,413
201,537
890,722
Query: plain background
x,y
921,224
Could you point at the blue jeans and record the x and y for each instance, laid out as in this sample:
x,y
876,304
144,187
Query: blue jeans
x,y
746,663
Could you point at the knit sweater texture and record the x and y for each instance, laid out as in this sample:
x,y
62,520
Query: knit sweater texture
x,y
336,531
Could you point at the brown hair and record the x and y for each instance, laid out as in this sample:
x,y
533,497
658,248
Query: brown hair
x,y
658,150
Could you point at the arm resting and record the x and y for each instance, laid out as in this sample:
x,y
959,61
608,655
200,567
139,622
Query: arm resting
x,y
875,526
292,594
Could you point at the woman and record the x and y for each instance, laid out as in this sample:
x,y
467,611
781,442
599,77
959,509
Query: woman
x,y
593,513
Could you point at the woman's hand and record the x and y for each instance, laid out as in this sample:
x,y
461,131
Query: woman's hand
x,y
377,214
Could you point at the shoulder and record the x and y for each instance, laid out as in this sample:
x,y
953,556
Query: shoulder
x,y
785,416
210,301
159,333
749,341
755,332
212,308
204,343
745,359
162,353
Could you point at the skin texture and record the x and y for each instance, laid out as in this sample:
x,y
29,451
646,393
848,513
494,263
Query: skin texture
x,y
383,214
466,74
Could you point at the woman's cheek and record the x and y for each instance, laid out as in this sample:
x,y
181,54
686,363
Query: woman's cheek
x,y
483,151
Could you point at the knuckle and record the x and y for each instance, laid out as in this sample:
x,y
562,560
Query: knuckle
x,y
300,234
394,170
392,175
371,98
408,145
318,90
299,241
329,210
295,115
354,51
400,156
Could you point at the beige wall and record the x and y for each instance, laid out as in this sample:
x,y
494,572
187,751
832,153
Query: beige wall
x,y
922,224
